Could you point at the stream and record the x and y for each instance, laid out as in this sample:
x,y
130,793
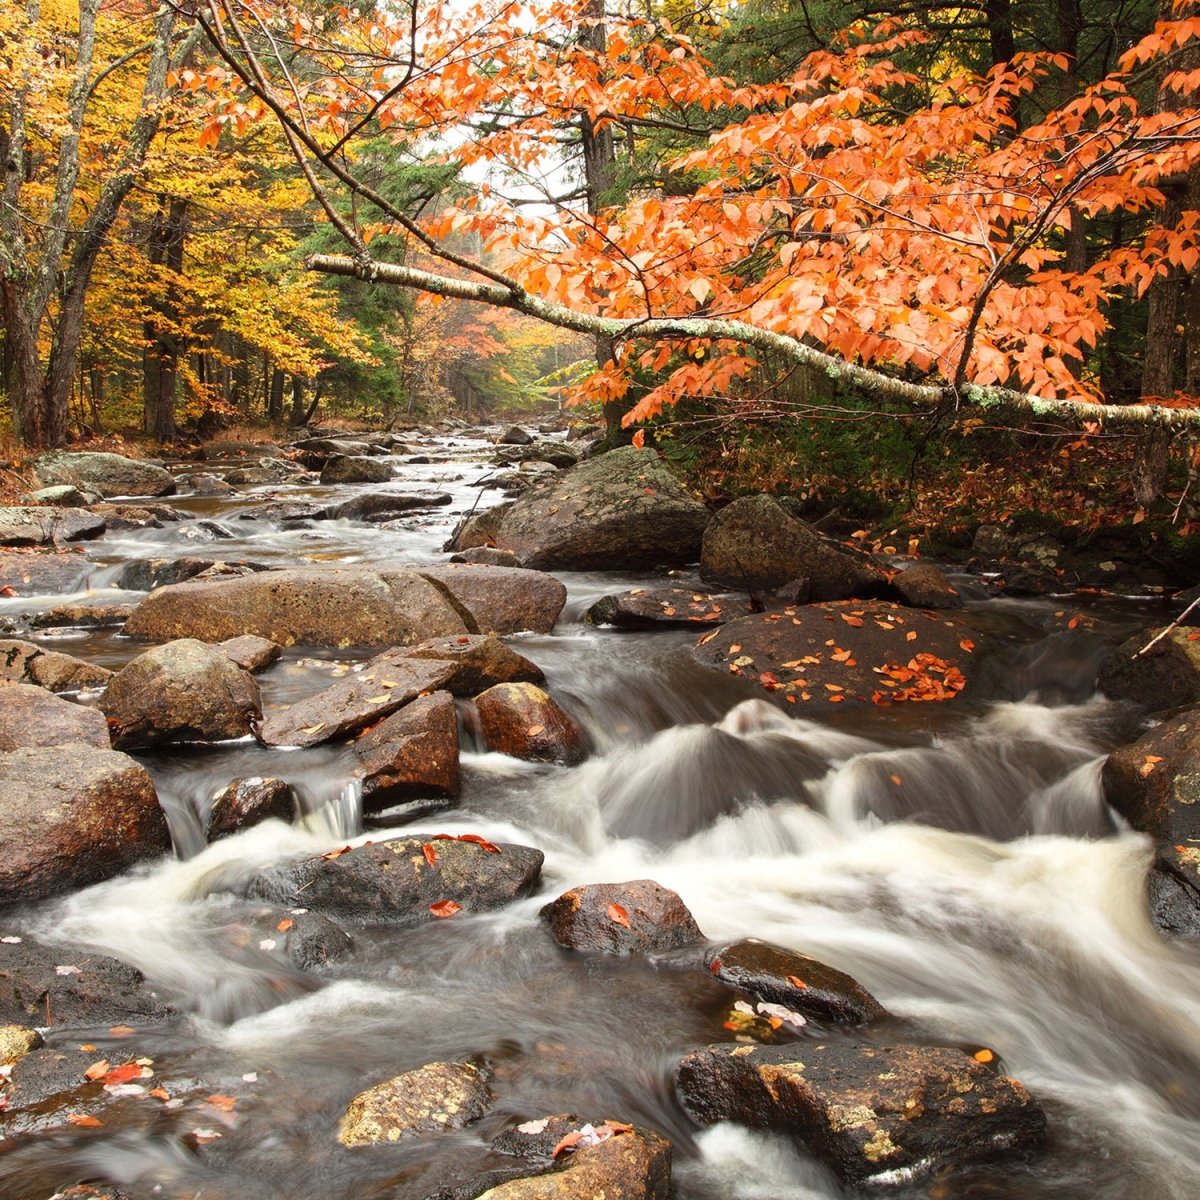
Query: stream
x,y
989,900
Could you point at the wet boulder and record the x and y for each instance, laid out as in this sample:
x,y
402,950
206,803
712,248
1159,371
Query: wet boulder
x,y
816,657
1155,785
621,510
146,574
383,685
183,691
514,435
201,532
247,802
251,653
404,880
374,506
479,530
924,586
638,917
42,573
108,474
305,939
865,1111
204,483
26,662
754,544
521,720
348,468
32,716
479,661
433,1098
666,607
42,526
73,815
83,616
353,606
1164,676
799,983
487,556
410,755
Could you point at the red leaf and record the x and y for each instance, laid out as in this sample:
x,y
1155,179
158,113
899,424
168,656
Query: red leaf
x,y
445,908
430,853
84,1121
482,843
124,1073
567,1142
796,981
619,914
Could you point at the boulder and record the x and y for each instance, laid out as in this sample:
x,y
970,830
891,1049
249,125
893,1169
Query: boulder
x,y
819,656
435,1097
666,607
46,526
32,716
126,517
73,815
246,802
251,653
184,691
479,661
25,662
83,616
1155,785
609,1159
386,683
638,917
231,448
480,529
203,483
754,544
353,606
146,574
621,510
62,495
413,753
866,1111
924,586
488,556
1165,676
799,983
514,435
42,573
521,720
108,474
347,468
405,880
202,532
307,940
325,446
266,471
381,505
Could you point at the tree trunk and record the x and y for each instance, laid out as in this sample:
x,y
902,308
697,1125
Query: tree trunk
x,y
275,400
161,356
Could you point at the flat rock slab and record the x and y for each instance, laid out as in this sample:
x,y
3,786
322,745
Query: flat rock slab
x,y
84,616
59,986
621,918
404,881
384,685
799,983
353,606
73,815
26,662
108,474
251,653
865,1110
817,657
42,525
432,1098
36,573
349,468
480,661
32,716
667,607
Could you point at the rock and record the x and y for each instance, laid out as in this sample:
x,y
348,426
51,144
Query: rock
x,y
345,468
232,448
882,653
479,529
437,1096
488,556
16,1041
411,754
73,815
46,526
42,573
184,691
50,1076
379,505
306,939
124,517
924,586
514,435
108,474
866,1111
521,720
267,471
25,662
755,545
621,510
799,983
395,881
84,616
32,716
353,606
1166,676
62,495
247,802
202,532
99,990
203,483
608,1159
146,574
329,446
479,661
670,607
384,684
639,917
251,653
1033,581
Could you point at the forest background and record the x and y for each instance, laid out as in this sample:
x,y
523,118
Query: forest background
x,y
919,260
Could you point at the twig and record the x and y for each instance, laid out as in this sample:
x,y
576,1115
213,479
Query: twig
x,y
1162,633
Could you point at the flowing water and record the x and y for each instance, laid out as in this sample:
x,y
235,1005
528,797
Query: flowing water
x,y
958,860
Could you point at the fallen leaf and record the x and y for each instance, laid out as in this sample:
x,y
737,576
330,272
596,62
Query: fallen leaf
x,y
983,1056
224,1103
285,924
967,645
445,908
796,981
122,1031
430,852
97,1070
125,1072
482,843
84,1121
532,1127
534,730
855,621
619,914
159,1093
911,636
895,779
1148,764
567,1142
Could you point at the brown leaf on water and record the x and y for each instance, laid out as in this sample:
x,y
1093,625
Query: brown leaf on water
x,y
285,924
619,914
224,1103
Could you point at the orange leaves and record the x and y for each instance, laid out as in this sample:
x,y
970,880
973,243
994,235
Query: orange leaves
x,y
924,678
445,908
619,915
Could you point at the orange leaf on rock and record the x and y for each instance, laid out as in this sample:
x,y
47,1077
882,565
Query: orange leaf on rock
x,y
84,1121
482,843
430,852
796,981
445,908
285,924
619,914
97,1070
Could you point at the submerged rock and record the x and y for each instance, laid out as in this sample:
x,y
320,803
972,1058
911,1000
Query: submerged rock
x,y
84,616
108,474
26,662
250,653
346,468
435,1097
866,1111
521,720
621,918
32,716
